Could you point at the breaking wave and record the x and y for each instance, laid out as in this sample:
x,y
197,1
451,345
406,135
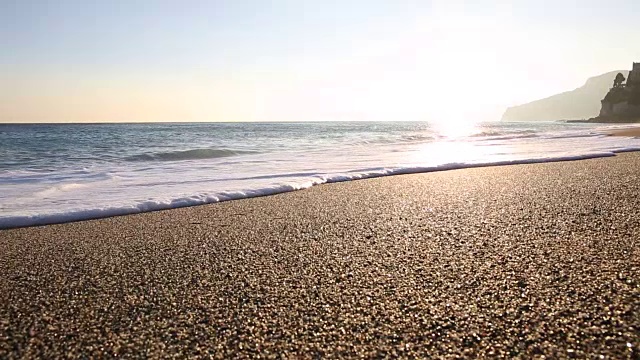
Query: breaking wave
x,y
192,154
507,135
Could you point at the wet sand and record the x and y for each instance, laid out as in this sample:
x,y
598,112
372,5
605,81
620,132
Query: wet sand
x,y
511,261
630,132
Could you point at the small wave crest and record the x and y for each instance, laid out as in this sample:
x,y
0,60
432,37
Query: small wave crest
x,y
506,135
418,138
192,154
395,139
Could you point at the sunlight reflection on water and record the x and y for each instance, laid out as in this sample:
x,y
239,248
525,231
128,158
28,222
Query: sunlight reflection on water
x,y
456,145
447,152
452,130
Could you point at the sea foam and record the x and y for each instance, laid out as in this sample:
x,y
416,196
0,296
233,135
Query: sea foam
x,y
230,162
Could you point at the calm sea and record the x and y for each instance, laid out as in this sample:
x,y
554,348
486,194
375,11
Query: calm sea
x,y
55,173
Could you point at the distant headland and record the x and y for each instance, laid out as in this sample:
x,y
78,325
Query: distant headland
x,y
596,101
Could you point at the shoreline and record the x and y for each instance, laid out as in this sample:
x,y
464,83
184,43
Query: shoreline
x,y
628,132
611,121
80,216
523,260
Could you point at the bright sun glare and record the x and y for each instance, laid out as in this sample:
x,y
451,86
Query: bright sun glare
x,y
455,129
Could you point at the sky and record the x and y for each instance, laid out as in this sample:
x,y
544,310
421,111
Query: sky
x,y
301,60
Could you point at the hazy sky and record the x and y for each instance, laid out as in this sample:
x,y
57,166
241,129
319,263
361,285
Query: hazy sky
x,y
250,60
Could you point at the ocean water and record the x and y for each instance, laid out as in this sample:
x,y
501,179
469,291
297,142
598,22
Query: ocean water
x,y
57,173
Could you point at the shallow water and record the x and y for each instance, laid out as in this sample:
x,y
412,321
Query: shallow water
x,y
55,173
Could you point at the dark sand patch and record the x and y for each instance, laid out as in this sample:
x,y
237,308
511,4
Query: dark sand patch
x,y
630,132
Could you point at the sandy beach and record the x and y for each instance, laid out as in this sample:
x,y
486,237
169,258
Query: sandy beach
x,y
512,261
631,132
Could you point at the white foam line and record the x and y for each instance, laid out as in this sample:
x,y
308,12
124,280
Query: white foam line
x,y
7,222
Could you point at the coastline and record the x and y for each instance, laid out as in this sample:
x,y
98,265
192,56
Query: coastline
x,y
608,120
182,174
18,222
511,260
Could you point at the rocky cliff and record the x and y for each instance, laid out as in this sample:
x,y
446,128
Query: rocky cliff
x,y
581,103
623,100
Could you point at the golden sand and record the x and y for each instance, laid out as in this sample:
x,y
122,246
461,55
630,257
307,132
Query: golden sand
x,y
499,262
